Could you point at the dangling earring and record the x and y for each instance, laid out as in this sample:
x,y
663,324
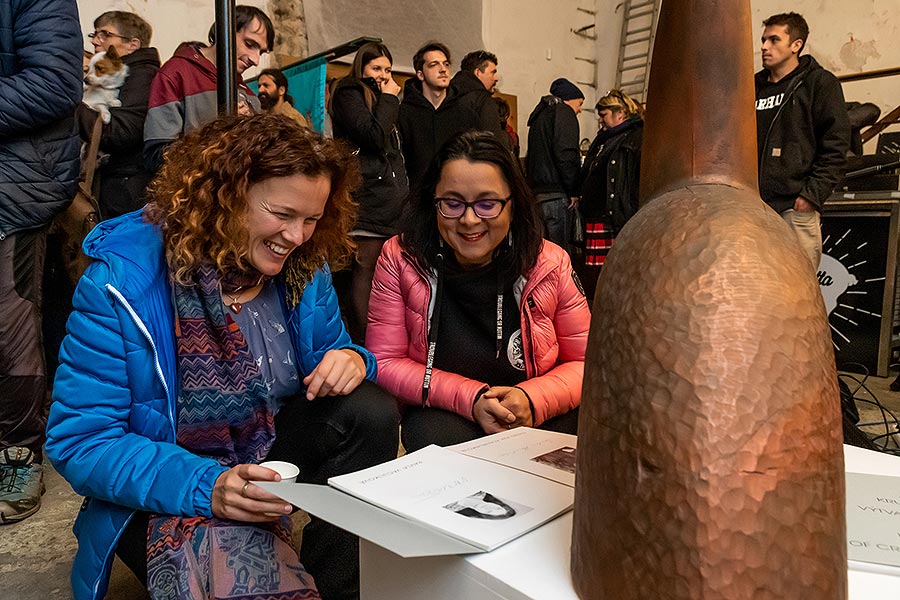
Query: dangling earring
x,y
509,238
440,242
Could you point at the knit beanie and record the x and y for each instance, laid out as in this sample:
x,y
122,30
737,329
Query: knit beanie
x,y
564,89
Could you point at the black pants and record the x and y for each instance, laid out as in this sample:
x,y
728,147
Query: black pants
x,y
23,381
326,437
354,285
424,426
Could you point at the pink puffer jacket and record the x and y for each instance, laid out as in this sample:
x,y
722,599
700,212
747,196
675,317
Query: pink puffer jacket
x,y
555,323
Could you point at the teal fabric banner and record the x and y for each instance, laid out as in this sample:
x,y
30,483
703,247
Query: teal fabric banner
x,y
306,85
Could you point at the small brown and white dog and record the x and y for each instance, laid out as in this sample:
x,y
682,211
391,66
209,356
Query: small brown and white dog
x,y
106,74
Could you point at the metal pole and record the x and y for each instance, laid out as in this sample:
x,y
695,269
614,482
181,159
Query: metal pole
x,y
226,58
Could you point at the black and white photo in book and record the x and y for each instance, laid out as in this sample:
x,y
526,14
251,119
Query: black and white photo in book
x,y
484,505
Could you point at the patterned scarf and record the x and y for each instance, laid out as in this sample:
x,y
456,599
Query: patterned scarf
x,y
225,413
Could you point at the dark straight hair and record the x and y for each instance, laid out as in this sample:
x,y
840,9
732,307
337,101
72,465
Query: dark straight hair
x,y
419,56
419,234
279,79
243,16
795,24
366,54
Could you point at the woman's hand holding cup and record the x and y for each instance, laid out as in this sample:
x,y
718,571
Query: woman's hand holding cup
x,y
235,497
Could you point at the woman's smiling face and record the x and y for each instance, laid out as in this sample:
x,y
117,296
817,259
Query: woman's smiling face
x,y
282,214
472,238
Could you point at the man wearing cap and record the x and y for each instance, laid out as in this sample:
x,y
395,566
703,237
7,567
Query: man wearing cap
x,y
553,162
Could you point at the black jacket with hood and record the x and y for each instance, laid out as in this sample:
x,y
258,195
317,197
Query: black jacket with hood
x,y
123,137
480,110
424,128
611,175
554,160
805,148
122,177
373,134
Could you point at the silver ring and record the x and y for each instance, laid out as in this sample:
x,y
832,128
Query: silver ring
x,y
244,489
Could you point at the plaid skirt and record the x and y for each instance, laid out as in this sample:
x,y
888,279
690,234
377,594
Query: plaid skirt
x,y
598,239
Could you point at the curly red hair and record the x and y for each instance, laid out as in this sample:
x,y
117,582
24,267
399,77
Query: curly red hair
x,y
199,198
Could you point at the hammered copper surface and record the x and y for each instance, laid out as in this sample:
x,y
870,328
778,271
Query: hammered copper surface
x,y
710,463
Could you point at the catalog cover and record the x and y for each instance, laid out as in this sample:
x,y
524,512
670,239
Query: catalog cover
x,y
473,500
873,521
544,453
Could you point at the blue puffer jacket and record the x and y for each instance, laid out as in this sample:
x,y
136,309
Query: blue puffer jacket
x,y
40,86
111,431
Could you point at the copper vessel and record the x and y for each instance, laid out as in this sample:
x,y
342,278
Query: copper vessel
x,y
710,462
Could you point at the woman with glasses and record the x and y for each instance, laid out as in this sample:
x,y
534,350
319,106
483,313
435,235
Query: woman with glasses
x,y
364,112
610,177
477,323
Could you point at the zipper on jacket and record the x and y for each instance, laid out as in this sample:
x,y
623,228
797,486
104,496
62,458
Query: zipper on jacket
x,y
143,329
787,96
111,550
527,314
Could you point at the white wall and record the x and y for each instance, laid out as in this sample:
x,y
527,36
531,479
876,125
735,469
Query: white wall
x,y
534,41
404,25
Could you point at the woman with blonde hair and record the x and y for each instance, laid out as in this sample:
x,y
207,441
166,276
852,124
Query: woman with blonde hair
x,y
610,176
205,339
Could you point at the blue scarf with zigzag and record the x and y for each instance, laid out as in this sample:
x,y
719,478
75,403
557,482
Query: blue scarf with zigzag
x,y
224,410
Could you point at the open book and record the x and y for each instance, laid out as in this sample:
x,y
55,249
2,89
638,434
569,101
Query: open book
x,y
483,493
873,522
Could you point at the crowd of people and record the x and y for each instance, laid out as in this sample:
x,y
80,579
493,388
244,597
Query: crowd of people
x,y
259,291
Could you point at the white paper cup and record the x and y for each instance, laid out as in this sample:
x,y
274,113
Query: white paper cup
x,y
287,470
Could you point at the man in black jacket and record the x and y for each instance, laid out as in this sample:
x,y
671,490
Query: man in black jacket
x,y
40,85
802,129
553,163
123,178
473,87
429,114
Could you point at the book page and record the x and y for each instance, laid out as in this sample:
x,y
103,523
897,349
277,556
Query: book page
x,y
476,501
873,519
544,453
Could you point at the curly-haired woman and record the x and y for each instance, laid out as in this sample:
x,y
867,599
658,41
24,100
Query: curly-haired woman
x,y
206,338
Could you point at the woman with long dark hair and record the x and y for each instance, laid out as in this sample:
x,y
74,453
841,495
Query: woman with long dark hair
x,y
365,109
477,323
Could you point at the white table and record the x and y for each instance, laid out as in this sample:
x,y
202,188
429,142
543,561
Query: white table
x,y
536,566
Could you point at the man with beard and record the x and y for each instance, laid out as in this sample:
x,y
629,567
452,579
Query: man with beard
x,y
273,96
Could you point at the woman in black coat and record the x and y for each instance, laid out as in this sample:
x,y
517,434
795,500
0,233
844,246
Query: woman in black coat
x,y
364,111
610,177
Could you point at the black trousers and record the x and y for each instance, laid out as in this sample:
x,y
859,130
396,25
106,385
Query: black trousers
x,y
23,380
326,437
354,285
424,426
